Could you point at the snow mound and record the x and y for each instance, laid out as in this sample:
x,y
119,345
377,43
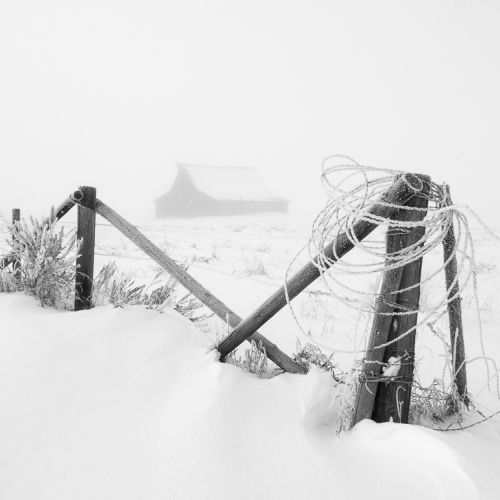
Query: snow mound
x,y
129,404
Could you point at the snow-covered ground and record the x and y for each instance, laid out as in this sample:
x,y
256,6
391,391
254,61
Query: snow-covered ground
x,y
127,403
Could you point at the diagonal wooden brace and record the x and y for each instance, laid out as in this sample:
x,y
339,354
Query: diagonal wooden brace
x,y
400,192
188,282
65,206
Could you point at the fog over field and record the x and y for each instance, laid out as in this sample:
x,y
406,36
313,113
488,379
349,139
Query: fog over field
x,y
112,94
129,399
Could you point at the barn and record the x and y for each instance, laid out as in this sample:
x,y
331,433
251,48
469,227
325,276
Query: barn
x,y
200,190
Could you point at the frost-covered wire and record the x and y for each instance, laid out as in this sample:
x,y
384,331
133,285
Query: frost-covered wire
x,y
352,190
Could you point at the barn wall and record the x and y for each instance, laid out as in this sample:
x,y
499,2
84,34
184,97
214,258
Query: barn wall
x,y
184,200
172,205
230,207
176,205
202,206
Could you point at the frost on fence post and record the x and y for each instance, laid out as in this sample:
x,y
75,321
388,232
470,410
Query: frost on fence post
x,y
85,260
454,307
16,217
394,316
394,397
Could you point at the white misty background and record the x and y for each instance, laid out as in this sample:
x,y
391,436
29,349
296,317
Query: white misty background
x,y
112,94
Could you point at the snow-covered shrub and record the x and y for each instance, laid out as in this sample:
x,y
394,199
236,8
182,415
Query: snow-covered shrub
x,y
485,267
46,263
264,248
112,286
8,281
310,354
255,359
254,267
202,259
215,254
316,305
433,404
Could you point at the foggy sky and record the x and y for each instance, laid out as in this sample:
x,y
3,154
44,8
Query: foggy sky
x,y
113,93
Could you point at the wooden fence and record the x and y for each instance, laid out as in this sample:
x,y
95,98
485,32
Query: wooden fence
x,y
400,291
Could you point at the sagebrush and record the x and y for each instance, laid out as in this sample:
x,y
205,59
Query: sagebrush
x,y
112,286
43,261
311,354
255,359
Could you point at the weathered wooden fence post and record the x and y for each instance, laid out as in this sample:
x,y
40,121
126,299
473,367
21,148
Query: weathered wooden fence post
x,y
373,400
394,396
384,309
85,260
16,217
454,307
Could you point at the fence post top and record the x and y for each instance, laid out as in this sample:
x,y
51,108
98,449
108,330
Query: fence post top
x,y
76,196
413,182
84,196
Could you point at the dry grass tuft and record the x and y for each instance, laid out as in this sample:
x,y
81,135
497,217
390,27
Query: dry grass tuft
x,y
114,287
255,359
253,266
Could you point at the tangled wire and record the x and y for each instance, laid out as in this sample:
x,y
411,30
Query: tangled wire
x,y
354,189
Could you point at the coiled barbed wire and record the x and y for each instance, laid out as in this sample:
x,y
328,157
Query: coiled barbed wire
x,y
352,189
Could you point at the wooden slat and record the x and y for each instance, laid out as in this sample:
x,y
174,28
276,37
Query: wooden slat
x,y
188,282
404,189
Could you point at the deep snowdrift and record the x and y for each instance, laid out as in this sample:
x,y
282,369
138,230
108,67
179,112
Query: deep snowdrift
x,y
128,404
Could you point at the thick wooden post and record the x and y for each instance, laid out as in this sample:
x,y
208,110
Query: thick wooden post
x,y
384,308
85,261
455,308
394,396
404,189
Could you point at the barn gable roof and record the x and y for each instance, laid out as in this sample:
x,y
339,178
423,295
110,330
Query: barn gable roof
x,y
228,183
